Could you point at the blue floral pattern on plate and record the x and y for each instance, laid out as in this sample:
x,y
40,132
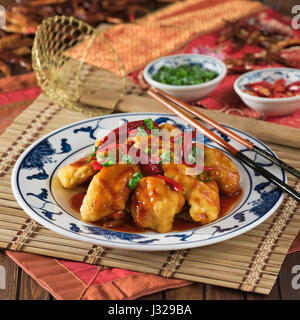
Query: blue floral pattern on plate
x,y
35,170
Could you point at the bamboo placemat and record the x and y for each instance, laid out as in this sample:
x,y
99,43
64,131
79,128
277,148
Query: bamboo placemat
x,y
250,262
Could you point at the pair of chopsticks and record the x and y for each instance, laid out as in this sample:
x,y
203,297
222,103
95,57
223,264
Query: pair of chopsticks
x,y
173,104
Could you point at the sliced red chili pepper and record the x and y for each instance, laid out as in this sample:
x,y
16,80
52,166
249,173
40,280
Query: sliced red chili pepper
x,y
96,166
175,185
295,86
144,161
132,133
150,169
209,168
276,90
262,91
251,93
110,147
91,158
114,135
188,164
279,87
263,83
262,88
147,167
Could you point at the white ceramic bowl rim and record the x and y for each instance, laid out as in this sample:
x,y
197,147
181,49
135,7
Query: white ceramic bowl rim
x,y
220,76
262,99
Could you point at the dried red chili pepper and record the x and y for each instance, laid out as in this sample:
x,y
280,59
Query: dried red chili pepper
x,y
294,87
261,88
97,166
174,184
278,89
114,135
279,86
263,83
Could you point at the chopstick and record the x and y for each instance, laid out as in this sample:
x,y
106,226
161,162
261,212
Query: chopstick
x,y
232,150
231,134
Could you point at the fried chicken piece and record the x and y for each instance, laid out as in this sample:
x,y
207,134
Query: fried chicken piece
x,y
154,204
172,129
204,201
108,192
76,173
225,173
202,197
178,172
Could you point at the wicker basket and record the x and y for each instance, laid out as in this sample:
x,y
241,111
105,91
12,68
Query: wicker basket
x,y
68,81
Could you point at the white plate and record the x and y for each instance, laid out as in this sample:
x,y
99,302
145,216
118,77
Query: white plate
x,y
33,184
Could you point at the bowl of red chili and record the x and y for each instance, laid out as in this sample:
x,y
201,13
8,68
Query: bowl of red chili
x,y
272,91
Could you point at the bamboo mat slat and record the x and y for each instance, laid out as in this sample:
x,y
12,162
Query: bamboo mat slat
x,y
249,262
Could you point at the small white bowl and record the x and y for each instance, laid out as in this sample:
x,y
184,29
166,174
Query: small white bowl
x,y
186,92
269,106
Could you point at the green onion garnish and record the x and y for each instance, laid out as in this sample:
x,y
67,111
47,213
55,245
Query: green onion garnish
x,y
193,154
149,123
133,182
127,158
92,156
108,162
141,132
191,158
179,140
203,177
184,75
166,157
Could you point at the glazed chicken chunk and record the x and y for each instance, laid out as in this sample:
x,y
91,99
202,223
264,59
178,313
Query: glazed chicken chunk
x,y
76,173
225,173
204,201
108,192
202,197
154,204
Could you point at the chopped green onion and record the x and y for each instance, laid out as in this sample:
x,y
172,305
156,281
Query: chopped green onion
x,y
179,140
194,153
133,182
127,158
203,177
141,132
93,155
138,175
191,158
149,123
184,75
166,157
108,162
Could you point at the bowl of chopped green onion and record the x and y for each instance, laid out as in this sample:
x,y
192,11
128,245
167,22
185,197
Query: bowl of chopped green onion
x,y
186,76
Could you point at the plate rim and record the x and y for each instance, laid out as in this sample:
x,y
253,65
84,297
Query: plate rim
x,y
128,246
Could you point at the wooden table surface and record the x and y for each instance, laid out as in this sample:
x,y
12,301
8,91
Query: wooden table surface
x,y
20,286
